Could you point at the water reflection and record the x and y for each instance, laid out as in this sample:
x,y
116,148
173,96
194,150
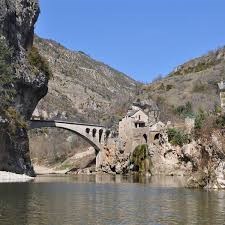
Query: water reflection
x,y
164,181
106,200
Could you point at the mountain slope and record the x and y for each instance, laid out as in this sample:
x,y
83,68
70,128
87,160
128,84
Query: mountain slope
x,y
89,90
195,81
83,90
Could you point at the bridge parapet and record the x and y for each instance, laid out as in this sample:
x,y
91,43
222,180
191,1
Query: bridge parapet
x,y
96,135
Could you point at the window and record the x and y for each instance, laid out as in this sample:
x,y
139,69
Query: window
x,y
141,124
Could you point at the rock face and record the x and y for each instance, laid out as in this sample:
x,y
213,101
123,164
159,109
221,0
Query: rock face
x,y
17,19
81,160
209,156
203,160
113,159
17,22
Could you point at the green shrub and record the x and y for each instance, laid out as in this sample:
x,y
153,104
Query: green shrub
x,y
180,110
38,62
217,108
184,110
199,119
177,137
169,87
220,122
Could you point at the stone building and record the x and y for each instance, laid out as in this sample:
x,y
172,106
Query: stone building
x,y
135,127
222,94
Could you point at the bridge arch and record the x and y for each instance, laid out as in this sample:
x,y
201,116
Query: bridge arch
x,y
95,135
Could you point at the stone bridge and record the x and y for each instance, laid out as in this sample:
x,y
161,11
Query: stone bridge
x,y
95,135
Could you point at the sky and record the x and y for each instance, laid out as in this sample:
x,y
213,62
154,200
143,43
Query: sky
x,y
142,38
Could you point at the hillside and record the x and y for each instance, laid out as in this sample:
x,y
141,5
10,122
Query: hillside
x,y
81,89
195,81
89,90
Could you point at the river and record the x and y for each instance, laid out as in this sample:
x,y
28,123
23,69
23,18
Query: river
x,y
108,200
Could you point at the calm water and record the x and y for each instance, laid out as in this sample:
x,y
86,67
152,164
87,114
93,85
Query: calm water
x,y
84,200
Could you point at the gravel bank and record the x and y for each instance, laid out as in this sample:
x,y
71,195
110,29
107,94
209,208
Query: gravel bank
x,y
7,177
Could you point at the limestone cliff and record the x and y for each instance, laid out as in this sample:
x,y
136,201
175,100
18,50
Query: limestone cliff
x,y
28,83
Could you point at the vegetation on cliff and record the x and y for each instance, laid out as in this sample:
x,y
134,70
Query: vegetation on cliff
x,y
6,77
140,159
177,137
8,113
38,62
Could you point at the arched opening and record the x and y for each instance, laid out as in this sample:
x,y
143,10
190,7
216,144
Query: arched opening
x,y
94,132
87,130
107,133
100,135
146,138
157,136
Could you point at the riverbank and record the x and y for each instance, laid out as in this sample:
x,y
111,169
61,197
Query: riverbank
x,y
43,170
7,177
